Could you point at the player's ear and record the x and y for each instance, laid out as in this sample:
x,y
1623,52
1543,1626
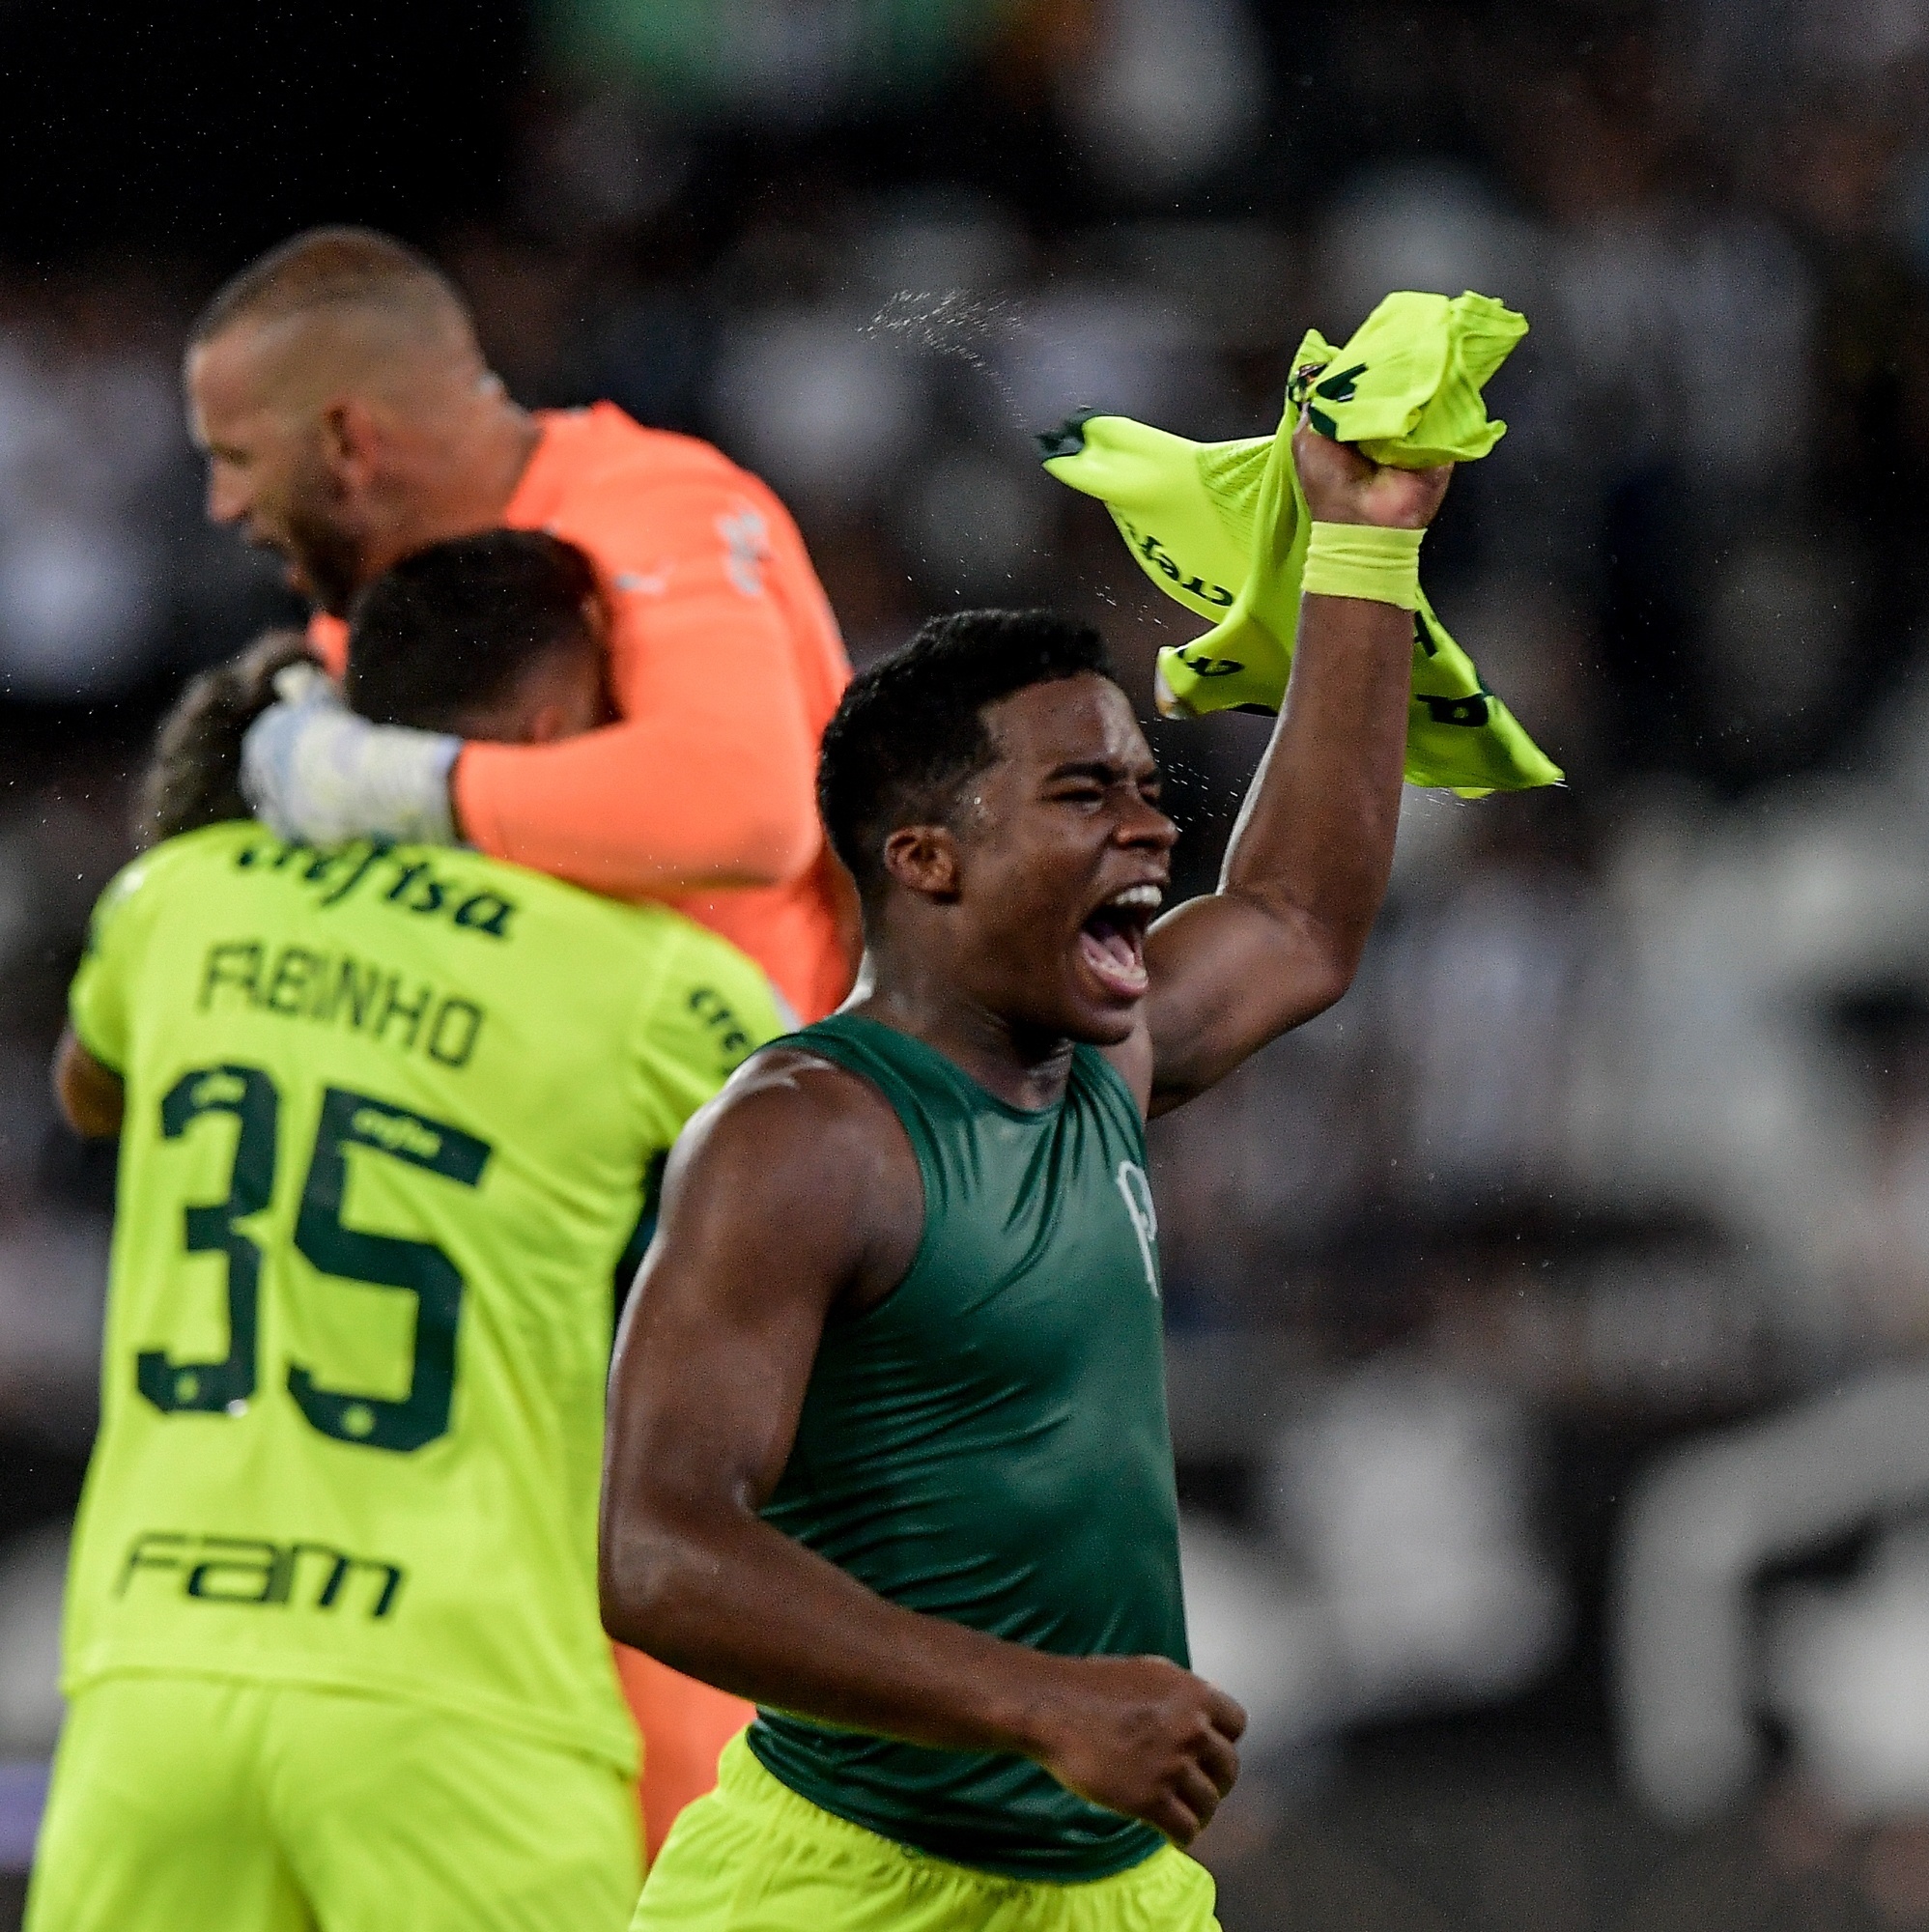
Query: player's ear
x,y
351,441
924,858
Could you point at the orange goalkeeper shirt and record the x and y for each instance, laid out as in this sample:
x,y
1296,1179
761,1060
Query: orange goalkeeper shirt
x,y
725,665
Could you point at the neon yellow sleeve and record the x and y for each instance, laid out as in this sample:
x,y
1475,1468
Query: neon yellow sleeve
x,y
713,1008
97,1000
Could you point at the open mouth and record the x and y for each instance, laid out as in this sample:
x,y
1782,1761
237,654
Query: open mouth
x,y
1111,941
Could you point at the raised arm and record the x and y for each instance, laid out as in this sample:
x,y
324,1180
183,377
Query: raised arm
x,y
794,1194
1309,859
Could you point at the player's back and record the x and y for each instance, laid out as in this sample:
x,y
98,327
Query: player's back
x,y
389,1113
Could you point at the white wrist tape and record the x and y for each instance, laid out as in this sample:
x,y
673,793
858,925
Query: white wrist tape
x,y
316,771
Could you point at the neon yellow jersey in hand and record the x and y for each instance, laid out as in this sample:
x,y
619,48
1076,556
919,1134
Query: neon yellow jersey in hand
x,y
1222,528
390,1113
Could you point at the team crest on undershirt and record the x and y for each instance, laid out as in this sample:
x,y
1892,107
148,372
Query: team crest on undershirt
x,y
1137,1193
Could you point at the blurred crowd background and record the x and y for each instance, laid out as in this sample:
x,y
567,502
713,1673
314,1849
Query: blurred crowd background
x,y
1550,1323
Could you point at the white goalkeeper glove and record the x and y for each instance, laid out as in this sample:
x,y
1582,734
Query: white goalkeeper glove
x,y
317,773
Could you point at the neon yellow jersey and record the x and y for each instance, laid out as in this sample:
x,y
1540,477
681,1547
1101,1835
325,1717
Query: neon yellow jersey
x,y
390,1117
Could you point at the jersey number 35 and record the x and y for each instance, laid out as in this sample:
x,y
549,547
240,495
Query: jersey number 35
x,y
419,1268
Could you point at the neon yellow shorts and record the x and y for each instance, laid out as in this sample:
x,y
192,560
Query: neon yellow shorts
x,y
755,1857
198,1805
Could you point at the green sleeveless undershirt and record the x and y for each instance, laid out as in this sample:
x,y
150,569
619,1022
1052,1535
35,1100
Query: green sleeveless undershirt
x,y
989,1443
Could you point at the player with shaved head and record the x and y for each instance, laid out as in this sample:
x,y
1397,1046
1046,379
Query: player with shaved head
x,y
350,418
347,412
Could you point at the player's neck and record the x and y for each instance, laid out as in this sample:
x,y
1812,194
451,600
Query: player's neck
x,y
465,479
1023,1066
483,471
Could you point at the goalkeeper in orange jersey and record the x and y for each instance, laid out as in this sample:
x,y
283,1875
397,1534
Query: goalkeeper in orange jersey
x,y
348,418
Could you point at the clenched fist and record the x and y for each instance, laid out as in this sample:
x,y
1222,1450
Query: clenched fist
x,y
1344,486
1141,1736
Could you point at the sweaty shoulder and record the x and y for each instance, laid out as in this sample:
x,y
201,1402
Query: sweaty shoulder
x,y
821,1141
788,1091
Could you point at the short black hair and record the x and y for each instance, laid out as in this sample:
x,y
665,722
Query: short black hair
x,y
448,632
911,729
194,777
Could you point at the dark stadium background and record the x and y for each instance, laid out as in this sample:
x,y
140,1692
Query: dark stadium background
x,y
1615,1165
